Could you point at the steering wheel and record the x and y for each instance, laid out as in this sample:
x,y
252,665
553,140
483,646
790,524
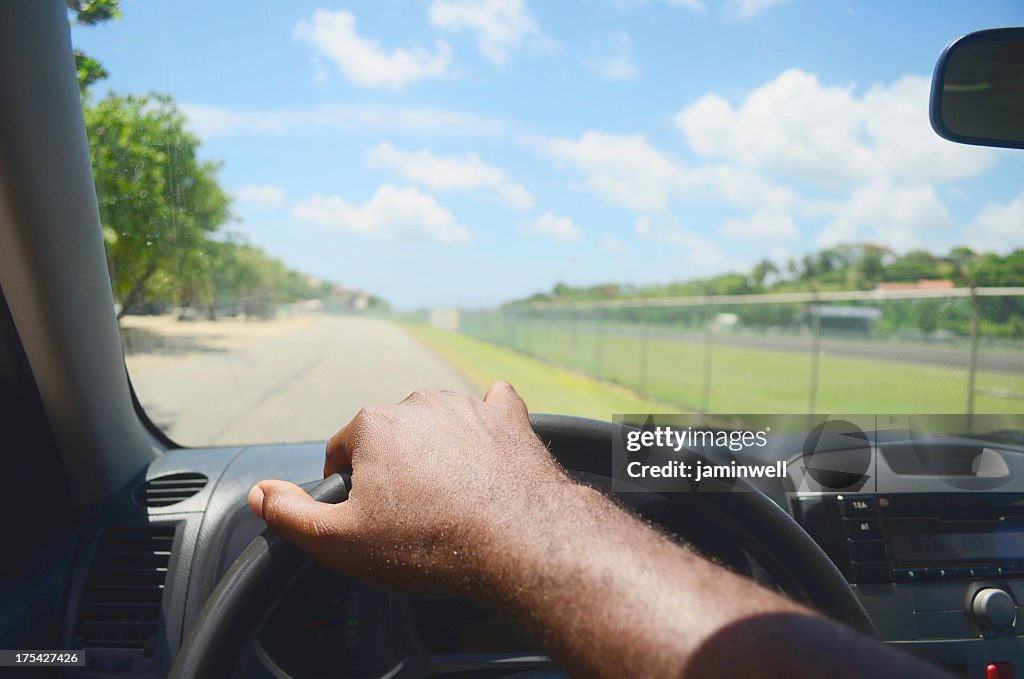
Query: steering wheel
x,y
238,606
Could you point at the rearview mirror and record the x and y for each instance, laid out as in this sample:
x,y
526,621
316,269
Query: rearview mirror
x,y
978,89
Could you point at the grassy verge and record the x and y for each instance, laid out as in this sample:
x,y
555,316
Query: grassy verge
x,y
752,380
743,379
545,387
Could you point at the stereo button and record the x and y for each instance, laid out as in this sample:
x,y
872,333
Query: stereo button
x,y
916,575
994,608
862,528
858,505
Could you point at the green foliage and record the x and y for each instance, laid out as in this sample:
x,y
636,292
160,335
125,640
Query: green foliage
x,y
162,208
90,13
844,267
162,212
89,70
914,266
158,201
241,278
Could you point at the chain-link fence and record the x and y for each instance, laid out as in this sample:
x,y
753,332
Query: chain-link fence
x,y
910,351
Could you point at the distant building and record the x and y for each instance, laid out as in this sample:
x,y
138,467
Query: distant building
x,y
928,284
725,321
446,319
844,318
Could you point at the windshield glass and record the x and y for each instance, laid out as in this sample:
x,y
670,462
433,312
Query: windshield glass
x,y
619,206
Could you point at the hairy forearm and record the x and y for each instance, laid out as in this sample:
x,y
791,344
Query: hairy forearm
x,y
608,596
450,493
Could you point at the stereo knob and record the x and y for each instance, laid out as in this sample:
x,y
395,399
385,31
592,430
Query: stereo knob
x,y
994,608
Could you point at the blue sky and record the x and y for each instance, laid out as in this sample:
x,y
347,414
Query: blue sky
x,y
466,152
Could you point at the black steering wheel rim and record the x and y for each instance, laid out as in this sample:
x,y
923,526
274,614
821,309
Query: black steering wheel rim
x,y
235,611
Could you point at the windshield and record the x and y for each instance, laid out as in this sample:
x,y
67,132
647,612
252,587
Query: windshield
x,y
620,206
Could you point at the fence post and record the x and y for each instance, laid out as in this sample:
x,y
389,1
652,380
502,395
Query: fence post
x,y
530,321
708,344
517,331
644,341
812,387
972,358
550,331
599,350
574,331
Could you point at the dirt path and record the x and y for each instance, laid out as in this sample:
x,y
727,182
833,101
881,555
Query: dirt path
x,y
294,379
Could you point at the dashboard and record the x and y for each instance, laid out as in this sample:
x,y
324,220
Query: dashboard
x,y
936,556
329,625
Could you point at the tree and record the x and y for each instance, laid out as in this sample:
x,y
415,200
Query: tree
x,y
870,265
913,266
158,201
762,270
160,205
90,13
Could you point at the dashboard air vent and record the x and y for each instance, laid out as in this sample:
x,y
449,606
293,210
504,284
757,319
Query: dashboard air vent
x,y
120,607
168,490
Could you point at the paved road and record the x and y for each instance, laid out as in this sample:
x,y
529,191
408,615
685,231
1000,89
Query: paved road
x,y
301,386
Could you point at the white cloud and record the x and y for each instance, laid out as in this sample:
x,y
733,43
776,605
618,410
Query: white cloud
x,y
837,233
615,61
884,212
623,169
879,142
449,173
261,194
825,133
761,226
611,243
364,62
559,228
748,189
692,5
748,9
999,227
216,121
501,26
700,253
627,170
736,9
390,213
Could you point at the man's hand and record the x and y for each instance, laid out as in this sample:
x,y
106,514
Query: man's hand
x,y
437,480
450,493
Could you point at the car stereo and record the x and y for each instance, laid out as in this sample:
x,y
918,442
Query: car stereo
x,y
918,537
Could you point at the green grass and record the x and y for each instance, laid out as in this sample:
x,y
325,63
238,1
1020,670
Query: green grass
x,y
544,387
743,380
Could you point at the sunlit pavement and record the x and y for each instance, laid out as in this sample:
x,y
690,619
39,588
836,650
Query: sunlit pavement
x,y
298,385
